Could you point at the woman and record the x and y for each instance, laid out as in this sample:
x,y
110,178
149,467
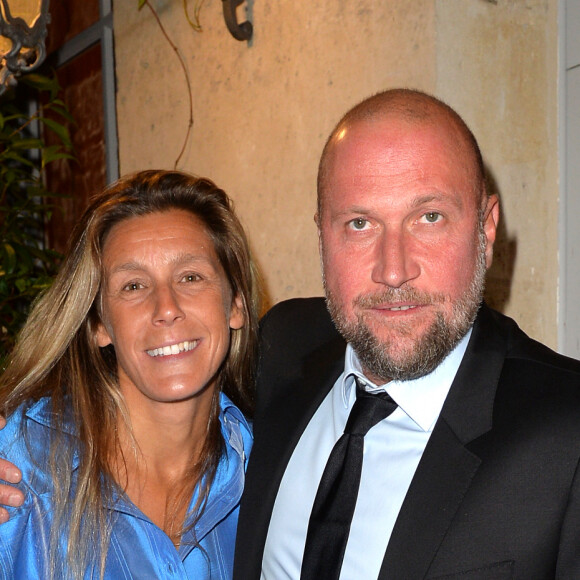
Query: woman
x,y
126,393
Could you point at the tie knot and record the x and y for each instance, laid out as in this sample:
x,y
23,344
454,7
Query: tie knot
x,y
368,410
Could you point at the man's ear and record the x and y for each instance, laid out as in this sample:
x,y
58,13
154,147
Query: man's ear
x,y
237,313
490,223
317,222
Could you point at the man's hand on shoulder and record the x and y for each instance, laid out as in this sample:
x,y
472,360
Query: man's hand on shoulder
x,y
9,473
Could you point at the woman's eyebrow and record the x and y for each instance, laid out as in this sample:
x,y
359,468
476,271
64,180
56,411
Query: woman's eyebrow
x,y
179,259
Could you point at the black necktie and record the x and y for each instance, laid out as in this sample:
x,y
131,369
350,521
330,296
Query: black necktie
x,y
337,493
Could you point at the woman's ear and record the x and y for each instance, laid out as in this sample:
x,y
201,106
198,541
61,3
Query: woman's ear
x,y
103,336
237,313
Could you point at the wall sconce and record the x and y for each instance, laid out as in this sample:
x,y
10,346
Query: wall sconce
x,y
240,31
22,34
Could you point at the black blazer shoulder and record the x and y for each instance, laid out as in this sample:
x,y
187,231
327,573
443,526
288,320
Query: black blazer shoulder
x,y
298,326
501,366
297,337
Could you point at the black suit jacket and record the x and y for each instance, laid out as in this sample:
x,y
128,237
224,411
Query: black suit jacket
x,y
496,494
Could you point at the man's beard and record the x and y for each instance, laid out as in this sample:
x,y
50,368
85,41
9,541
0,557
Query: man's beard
x,y
427,350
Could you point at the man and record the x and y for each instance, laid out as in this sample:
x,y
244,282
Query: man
x,y
474,474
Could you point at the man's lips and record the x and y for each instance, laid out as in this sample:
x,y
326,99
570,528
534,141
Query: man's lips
x,y
173,349
400,308
398,300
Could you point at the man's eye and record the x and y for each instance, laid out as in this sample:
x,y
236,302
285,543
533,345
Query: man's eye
x,y
359,223
432,217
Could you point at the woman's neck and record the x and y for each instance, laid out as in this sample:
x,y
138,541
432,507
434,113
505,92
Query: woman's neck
x,y
159,463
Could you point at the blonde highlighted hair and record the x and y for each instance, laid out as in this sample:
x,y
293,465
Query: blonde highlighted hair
x,y
57,356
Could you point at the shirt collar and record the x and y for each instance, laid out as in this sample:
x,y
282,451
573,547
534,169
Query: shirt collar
x,y
41,412
230,416
421,399
228,409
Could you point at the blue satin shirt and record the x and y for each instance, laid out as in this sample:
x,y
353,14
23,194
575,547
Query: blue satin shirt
x,y
138,548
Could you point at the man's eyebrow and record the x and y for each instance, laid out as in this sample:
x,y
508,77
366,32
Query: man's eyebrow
x,y
353,210
455,200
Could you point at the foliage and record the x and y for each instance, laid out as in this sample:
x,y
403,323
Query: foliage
x,y
26,264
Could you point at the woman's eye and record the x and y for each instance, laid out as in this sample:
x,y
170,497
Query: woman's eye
x,y
191,278
131,286
359,223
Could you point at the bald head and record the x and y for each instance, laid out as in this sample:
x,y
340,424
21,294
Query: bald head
x,y
406,232
415,109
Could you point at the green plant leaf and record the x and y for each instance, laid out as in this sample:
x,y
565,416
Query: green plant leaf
x,y
52,153
43,83
9,260
17,157
28,144
20,284
61,110
40,82
59,129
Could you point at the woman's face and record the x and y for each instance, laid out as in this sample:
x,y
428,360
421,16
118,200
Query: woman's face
x,y
167,307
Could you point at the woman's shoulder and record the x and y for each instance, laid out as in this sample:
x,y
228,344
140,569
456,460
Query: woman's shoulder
x,y
25,441
28,416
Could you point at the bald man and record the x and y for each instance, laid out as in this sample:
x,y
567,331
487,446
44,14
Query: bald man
x,y
473,475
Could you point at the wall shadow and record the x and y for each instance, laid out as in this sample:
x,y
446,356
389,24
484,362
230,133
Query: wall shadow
x,y
500,275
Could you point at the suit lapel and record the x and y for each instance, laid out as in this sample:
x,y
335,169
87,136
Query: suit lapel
x,y
448,466
441,480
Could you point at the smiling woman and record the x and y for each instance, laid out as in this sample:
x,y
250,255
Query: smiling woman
x,y
137,368
167,309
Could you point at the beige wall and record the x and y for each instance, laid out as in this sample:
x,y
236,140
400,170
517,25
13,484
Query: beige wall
x,y
262,112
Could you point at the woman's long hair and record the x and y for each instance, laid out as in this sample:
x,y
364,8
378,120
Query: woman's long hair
x,y
57,356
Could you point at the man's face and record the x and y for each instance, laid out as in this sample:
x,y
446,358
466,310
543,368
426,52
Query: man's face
x,y
405,243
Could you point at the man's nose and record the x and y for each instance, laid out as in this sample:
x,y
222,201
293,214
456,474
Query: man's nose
x,y
394,262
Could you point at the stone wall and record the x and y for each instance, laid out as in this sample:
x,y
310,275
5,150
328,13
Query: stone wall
x,y
262,111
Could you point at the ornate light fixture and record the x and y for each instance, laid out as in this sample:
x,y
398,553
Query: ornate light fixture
x,y
22,34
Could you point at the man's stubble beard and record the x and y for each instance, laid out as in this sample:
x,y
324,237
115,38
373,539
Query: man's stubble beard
x,y
431,347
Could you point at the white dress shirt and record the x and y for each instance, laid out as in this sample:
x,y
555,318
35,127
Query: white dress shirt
x,y
392,452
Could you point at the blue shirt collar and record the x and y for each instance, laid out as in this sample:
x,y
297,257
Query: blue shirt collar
x,y
230,416
41,412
